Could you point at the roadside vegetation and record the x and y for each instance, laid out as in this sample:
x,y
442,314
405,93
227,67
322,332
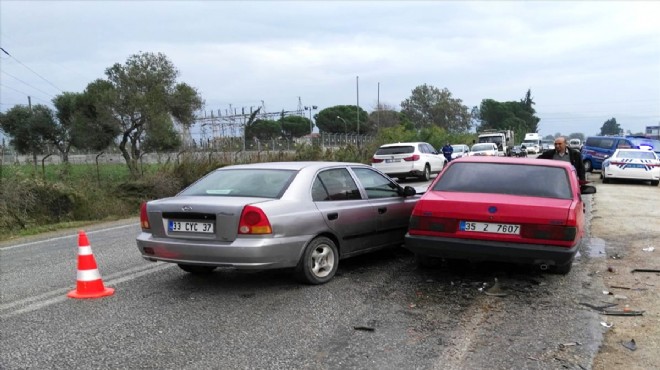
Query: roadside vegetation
x,y
140,107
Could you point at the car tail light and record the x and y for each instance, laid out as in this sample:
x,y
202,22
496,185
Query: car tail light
x,y
144,219
412,158
549,232
436,224
254,221
376,160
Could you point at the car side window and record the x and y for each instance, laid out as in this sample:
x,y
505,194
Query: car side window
x,y
375,184
623,144
334,184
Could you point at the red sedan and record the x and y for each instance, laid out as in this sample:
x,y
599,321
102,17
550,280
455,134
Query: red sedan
x,y
519,210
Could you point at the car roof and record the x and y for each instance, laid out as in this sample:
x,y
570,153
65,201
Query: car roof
x,y
525,161
293,165
406,143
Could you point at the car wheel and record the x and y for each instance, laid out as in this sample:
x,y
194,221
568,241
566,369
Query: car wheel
x,y
587,166
319,262
197,270
655,182
563,269
426,176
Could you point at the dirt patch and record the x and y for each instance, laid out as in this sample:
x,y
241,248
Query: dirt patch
x,y
627,219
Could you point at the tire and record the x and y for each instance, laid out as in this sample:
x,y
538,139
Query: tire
x,y
426,176
196,269
319,262
587,166
655,182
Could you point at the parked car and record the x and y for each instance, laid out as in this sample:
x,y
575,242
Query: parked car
x,y
547,145
518,151
403,160
575,144
484,149
486,209
597,148
632,164
460,150
305,215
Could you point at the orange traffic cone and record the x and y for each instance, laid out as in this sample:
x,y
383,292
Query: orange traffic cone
x,y
89,283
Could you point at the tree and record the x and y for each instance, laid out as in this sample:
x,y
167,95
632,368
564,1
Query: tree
x,y
428,106
385,116
518,116
341,119
263,129
95,126
66,106
610,127
295,126
147,102
31,130
576,135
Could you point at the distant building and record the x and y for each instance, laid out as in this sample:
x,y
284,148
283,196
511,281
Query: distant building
x,y
653,132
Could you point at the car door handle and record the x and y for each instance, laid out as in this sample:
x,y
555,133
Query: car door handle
x,y
382,210
333,216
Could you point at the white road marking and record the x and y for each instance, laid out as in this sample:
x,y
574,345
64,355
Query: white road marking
x,y
75,235
59,295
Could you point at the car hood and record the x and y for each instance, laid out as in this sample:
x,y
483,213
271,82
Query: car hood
x,y
495,207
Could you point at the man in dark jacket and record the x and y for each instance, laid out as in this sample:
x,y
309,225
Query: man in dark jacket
x,y
563,152
447,150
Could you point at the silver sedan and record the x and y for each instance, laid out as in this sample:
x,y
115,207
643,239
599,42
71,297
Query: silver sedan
x,y
306,215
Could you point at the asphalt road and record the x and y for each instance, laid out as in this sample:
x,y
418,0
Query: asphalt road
x,y
380,312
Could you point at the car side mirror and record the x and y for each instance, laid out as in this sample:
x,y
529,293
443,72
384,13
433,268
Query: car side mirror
x,y
587,189
408,191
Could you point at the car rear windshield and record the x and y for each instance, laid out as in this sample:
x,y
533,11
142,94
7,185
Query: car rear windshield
x,y
635,154
404,149
506,178
260,183
481,147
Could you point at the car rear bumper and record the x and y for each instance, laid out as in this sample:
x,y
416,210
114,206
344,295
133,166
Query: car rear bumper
x,y
632,174
480,250
242,253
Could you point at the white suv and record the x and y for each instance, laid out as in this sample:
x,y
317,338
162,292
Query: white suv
x,y
403,160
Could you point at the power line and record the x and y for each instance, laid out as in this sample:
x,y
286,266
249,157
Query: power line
x,y
19,80
31,70
23,92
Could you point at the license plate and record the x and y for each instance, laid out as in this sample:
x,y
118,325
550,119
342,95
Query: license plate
x,y
634,165
486,227
190,227
392,160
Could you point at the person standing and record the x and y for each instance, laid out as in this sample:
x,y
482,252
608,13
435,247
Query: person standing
x,y
563,152
447,150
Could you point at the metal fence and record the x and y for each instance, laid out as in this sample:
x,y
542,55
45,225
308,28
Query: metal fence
x,y
228,149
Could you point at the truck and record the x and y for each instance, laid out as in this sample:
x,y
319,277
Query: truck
x,y
532,143
504,139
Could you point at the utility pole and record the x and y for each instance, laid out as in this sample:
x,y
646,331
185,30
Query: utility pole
x,y
311,123
357,88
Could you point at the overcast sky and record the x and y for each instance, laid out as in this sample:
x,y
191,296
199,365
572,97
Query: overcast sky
x,y
585,62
